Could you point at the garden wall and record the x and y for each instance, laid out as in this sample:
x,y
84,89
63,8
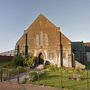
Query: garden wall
x,y
5,58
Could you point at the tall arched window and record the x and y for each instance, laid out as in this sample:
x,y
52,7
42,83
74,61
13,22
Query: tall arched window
x,y
37,40
46,39
41,38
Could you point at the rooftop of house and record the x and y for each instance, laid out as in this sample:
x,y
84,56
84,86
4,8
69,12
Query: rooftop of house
x,y
87,46
78,46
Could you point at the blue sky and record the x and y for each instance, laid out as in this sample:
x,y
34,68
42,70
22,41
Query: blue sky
x,y
72,16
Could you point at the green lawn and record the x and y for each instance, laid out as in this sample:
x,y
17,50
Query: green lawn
x,y
2,63
60,79
53,79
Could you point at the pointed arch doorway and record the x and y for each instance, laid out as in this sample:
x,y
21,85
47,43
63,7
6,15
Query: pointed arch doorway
x,y
40,57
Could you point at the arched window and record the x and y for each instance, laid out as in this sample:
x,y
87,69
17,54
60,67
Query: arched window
x,y
41,38
46,39
37,40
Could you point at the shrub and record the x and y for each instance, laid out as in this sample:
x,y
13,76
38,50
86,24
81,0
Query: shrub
x,y
18,60
42,74
33,76
24,81
12,72
69,70
52,67
34,59
22,69
79,71
30,61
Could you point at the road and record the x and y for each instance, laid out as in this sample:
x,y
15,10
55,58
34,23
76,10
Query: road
x,y
15,86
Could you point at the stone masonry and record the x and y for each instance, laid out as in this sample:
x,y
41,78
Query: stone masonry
x,y
45,38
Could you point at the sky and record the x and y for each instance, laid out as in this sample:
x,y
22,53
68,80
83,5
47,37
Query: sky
x,y
72,16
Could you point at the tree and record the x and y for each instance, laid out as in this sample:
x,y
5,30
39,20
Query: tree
x,y
18,60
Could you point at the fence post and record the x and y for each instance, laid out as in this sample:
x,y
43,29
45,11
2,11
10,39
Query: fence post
x,y
61,79
1,72
75,73
38,76
87,81
28,70
8,74
18,75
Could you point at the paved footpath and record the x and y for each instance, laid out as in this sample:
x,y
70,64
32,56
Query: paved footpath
x,y
15,86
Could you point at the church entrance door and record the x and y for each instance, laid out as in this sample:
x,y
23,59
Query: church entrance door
x,y
40,59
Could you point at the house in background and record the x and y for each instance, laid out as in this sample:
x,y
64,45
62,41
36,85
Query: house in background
x,y
45,40
78,49
79,54
8,53
87,48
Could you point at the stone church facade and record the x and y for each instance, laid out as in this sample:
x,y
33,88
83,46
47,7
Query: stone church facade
x,y
43,37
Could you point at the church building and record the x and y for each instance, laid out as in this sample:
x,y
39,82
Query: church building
x,y
42,38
